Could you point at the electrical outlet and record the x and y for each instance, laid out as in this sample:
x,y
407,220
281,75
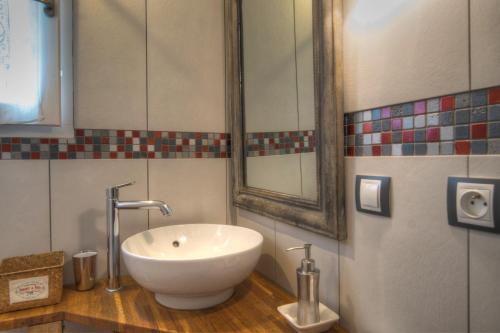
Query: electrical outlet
x,y
474,203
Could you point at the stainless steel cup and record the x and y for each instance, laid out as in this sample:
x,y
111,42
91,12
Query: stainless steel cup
x,y
84,266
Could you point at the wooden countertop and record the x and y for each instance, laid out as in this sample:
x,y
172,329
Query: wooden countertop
x,y
134,309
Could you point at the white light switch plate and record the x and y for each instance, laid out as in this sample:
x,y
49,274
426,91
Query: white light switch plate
x,y
370,194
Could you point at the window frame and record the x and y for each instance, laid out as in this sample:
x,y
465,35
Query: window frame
x,y
63,112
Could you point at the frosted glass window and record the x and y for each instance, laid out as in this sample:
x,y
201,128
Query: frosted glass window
x,y
21,67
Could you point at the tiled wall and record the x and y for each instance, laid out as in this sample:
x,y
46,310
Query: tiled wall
x,y
280,265
153,67
407,273
411,272
461,124
278,62
280,143
118,144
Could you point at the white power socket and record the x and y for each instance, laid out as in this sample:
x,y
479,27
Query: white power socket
x,y
474,204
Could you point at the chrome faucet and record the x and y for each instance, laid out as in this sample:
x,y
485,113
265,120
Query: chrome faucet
x,y
113,228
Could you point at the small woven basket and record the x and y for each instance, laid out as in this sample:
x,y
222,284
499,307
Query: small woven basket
x,y
31,281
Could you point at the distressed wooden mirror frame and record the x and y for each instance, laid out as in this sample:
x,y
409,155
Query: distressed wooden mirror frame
x,y
326,216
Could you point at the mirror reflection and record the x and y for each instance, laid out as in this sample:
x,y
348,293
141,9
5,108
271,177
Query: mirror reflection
x,y
280,138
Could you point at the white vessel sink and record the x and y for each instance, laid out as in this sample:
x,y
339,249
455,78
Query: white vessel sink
x,y
192,266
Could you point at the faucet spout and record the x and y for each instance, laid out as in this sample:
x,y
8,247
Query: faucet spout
x,y
113,206
166,210
145,204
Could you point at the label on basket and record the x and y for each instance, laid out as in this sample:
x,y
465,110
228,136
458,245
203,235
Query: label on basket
x,y
29,289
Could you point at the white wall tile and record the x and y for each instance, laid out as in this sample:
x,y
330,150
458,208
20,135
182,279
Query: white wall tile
x,y
230,208
186,65
396,51
278,173
407,273
324,251
485,44
269,66
24,207
309,178
194,188
280,266
266,226
110,64
484,260
305,63
79,205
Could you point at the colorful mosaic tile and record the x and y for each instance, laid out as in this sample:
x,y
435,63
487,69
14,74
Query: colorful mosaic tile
x,y
446,118
293,142
462,132
462,116
479,115
464,123
494,112
118,144
419,107
494,146
462,101
386,112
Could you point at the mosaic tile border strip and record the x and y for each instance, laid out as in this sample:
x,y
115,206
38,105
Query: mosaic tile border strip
x,y
459,124
118,144
280,143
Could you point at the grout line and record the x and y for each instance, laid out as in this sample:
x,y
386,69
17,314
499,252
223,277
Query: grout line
x,y
147,190
50,208
468,280
297,90
275,274
296,67
469,59
469,43
229,208
226,206
147,103
338,273
147,64
468,160
470,79
73,67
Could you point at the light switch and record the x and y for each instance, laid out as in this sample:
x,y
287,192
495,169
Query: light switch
x,y
370,194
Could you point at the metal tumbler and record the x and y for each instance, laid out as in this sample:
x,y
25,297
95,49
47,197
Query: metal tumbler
x,y
84,266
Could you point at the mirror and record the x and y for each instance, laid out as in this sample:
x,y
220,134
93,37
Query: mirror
x,y
278,97
283,83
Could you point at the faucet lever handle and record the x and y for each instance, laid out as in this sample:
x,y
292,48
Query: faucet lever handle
x,y
123,185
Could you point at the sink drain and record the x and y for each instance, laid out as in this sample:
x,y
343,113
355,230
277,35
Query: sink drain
x,y
175,244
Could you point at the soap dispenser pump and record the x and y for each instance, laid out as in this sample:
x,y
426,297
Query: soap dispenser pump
x,y
308,288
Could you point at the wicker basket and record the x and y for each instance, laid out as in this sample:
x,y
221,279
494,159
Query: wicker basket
x,y
31,281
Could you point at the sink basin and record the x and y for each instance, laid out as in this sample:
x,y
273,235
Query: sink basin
x,y
192,266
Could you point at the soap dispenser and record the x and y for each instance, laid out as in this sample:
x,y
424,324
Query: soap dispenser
x,y
308,288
